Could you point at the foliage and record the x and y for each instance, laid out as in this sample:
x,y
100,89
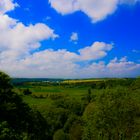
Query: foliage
x,y
27,92
112,116
17,120
71,104
60,135
91,109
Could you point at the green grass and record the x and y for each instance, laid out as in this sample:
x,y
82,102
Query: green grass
x,y
75,92
39,104
47,91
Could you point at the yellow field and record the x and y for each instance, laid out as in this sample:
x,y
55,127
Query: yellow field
x,y
81,81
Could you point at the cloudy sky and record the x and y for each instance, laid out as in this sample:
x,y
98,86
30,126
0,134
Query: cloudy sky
x,y
70,38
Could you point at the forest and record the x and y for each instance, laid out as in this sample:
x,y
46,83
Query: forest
x,y
91,109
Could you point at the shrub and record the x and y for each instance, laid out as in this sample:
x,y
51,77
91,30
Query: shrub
x,y
27,92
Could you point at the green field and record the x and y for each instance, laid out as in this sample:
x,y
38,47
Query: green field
x,y
42,96
72,109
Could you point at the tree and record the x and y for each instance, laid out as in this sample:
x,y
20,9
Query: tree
x,y
4,82
136,84
60,135
27,92
71,104
112,116
89,95
17,120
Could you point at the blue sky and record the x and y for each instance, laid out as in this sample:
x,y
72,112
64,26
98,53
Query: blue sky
x,y
70,38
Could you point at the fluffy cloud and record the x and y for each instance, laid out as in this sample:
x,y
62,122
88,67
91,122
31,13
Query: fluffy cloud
x,y
49,61
74,37
115,68
63,63
7,5
123,67
17,40
96,51
96,9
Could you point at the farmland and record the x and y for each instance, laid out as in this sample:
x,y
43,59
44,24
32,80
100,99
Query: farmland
x,y
72,109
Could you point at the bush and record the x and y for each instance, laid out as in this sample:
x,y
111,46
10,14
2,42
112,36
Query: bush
x,y
71,104
27,92
60,135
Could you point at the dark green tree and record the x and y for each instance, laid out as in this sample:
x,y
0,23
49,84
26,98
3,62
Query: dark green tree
x,y
60,135
136,84
112,117
89,95
17,120
27,92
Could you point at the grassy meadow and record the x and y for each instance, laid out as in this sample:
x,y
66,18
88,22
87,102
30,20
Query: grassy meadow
x,y
43,96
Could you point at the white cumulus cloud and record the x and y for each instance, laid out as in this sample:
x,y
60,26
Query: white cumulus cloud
x,y
95,9
65,64
17,39
96,51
